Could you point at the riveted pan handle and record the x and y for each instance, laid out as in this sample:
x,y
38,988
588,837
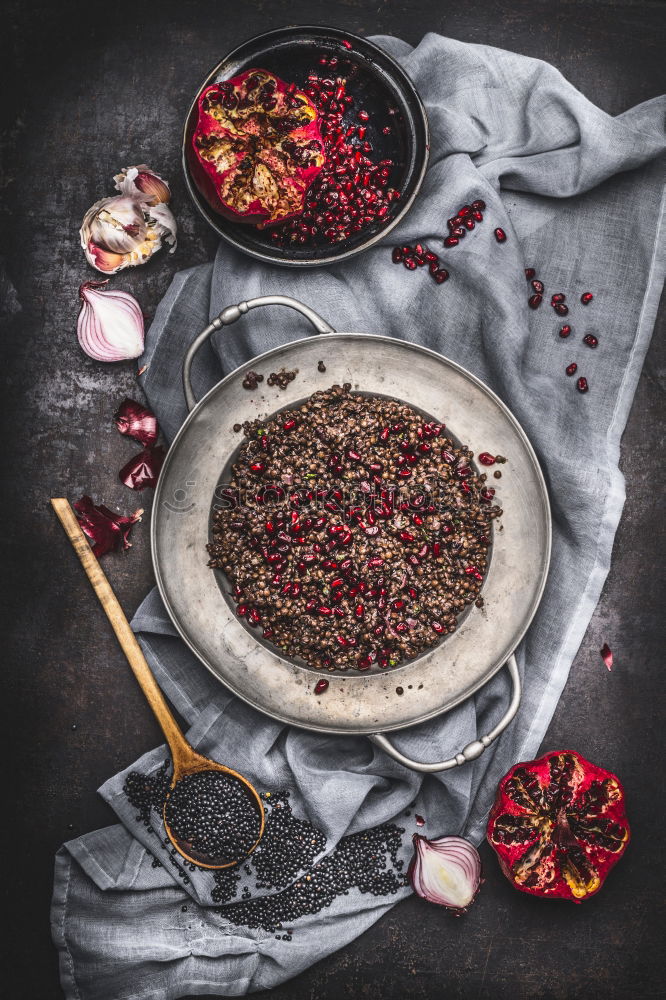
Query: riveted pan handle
x,y
230,315
473,749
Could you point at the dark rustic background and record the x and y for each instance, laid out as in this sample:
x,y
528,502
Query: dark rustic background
x,y
91,87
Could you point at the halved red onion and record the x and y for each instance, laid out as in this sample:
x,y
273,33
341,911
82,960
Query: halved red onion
x,y
136,421
143,469
110,323
445,871
105,529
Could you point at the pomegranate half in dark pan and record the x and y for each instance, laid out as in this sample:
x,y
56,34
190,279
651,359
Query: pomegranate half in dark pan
x,y
365,100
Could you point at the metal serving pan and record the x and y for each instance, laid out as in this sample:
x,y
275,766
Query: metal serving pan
x,y
371,702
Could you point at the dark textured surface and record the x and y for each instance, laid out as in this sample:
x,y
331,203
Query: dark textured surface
x,y
89,88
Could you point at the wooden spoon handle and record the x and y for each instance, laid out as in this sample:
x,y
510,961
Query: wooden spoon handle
x,y
128,641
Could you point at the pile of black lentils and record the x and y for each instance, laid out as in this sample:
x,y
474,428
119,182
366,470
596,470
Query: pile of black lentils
x,y
283,865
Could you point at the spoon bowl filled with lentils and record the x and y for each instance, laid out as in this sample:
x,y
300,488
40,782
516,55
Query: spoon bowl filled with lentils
x,y
351,532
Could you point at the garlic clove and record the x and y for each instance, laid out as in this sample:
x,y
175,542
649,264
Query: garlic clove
x,y
116,224
102,260
110,323
162,218
446,871
143,184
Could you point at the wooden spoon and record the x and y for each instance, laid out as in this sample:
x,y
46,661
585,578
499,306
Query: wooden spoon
x,y
186,760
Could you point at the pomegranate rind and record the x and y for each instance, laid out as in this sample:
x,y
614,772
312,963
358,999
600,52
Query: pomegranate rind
x,y
256,148
558,826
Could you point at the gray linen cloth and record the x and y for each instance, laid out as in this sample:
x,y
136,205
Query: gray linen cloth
x,y
580,196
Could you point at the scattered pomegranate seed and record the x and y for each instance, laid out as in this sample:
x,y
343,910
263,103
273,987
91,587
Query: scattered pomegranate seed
x,y
486,458
321,686
607,656
586,298
572,368
582,385
530,273
396,255
561,309
346,43
451,241
590,340
363,116
537,286
535,300
500,235
565,331
557,298
441,275
479,205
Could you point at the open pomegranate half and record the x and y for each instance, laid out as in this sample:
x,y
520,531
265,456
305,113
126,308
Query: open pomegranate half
x,y
257,147
558,826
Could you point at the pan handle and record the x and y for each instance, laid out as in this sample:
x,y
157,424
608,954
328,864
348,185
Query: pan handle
x,y
473,749
230,315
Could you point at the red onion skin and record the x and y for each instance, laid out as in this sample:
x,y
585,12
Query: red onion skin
x,y
143,469
137,422
104,528
411,870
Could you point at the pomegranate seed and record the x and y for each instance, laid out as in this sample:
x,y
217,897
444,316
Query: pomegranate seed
x,y
460,232
453,223
479,204
572,368
406,536
590,340
396,256
289,425
323,610
486,458
561,309
537,286
557,298
440,275
401,628
469,223
465,211
359,610
586,298
321,686
410,263
437,627
241,610
257,468
530,273
582,385
477,215
451,241
436,549
500,235
255,617
346,44
565,331
267,632
535,300
363,116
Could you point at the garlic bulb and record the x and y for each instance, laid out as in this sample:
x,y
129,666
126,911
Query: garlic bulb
x,y
126,229
446,871
110,323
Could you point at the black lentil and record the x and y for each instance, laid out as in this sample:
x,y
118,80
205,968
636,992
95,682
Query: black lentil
x,y
252,380
282,378
284,860
212,815
359,520
321,367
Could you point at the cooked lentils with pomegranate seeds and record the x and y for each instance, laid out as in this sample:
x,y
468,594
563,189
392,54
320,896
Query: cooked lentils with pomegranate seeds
x,y
353,531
